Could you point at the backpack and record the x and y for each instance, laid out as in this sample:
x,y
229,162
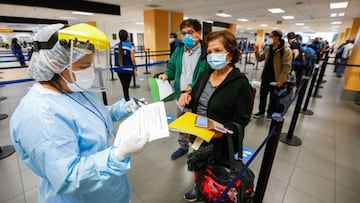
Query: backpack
x,y
305,59
340,52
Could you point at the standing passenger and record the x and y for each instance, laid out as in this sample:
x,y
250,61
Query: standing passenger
x,y
223,94
278,57
16,50
124,55
184,67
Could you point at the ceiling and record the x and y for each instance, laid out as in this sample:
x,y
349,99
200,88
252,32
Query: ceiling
x,y
315,14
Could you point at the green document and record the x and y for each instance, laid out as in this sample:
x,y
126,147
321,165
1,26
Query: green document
x,y
162,90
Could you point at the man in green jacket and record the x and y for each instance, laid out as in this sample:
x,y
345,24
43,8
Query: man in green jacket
x,y
184,67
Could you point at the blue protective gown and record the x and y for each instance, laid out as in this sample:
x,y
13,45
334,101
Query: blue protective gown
x,y
66,145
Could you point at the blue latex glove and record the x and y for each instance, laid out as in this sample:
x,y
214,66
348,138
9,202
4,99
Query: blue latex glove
x,y
120,110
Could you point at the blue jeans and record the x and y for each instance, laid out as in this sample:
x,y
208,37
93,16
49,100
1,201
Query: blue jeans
x,y
341,68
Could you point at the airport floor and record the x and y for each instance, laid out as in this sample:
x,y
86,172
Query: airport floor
x,y
324,169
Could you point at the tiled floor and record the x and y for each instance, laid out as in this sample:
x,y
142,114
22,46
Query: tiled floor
x,y
324,169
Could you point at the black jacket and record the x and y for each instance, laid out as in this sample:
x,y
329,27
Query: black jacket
x,y
230,104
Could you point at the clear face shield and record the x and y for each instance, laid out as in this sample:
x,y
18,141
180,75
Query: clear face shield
x,y
89,67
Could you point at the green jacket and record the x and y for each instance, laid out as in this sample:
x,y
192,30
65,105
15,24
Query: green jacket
x,y
174,67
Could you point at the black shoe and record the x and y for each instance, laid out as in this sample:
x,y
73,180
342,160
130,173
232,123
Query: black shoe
x,y
268,117
259,114
192,196
179,153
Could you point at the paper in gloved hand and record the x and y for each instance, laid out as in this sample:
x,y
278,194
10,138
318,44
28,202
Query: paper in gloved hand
x,y
151,118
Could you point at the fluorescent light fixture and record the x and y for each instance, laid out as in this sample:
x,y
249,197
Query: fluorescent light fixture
x,y
82,13
300,24
224,15
333,15
209,21
263,25
68,17
336,23
185,17
139,23
339,5
243,20
276,10
335,26
249,28
341,14
288,17
306,27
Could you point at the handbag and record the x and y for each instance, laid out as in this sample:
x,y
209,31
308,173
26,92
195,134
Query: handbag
x,y
214,178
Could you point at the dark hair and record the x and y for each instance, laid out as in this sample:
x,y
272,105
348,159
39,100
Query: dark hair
x,y
277,33
291,35
173,34
191,23
123,35
299,37
229,41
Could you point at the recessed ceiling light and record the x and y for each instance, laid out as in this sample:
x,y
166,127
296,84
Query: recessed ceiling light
x,y
339,5
333,15
335,26
139,23
243,20
209,21
224,15
82,13
336,23
276,10
288,17
185,17
249,28
341,14
68,17
263,25
299,24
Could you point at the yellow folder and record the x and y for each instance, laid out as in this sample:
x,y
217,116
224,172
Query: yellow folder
x,y
186,124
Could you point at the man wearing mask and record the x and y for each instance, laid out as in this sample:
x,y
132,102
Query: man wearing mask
x,y
278,57
174,42
184,67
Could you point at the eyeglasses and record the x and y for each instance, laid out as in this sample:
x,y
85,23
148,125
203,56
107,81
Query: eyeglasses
x,y
190,32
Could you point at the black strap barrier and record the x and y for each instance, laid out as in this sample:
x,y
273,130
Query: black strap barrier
x,y
289,137
305,109
321,76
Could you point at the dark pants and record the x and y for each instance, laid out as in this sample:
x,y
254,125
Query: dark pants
x,y
20,58
125,80
265,89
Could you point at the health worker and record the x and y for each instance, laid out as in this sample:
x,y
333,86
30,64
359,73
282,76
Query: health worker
x,y
61,129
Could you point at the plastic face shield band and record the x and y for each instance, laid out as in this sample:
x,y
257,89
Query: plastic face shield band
x,y
100,63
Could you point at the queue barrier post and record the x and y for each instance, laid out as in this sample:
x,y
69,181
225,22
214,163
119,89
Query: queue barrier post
x,y
305,109
147,57
321,76
289,137
268,159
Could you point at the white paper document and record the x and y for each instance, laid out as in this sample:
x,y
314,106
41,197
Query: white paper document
x,y
151,117
165,88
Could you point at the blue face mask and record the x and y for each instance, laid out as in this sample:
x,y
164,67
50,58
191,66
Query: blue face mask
x,y
217,61
188,41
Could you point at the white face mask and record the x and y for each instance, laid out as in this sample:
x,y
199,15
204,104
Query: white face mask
x,y
84,80
269,41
